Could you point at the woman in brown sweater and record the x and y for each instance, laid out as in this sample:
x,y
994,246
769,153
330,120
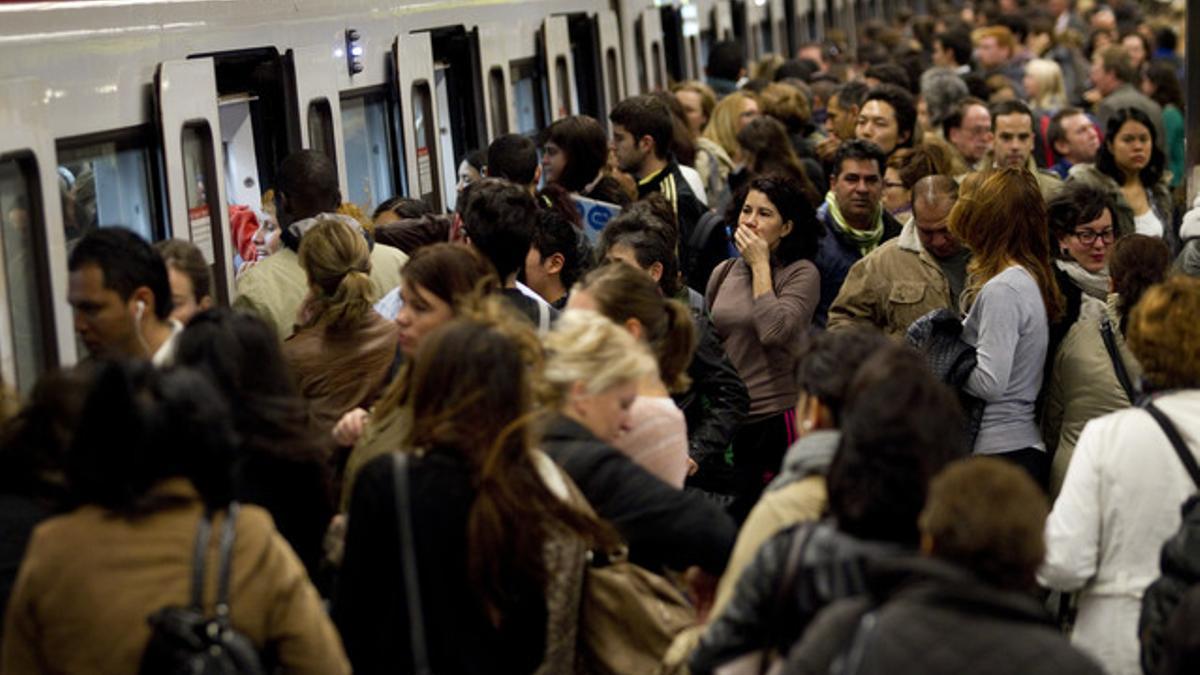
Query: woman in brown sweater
x,y
762,305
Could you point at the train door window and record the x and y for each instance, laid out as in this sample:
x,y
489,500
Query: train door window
x,y
673,43
639,53
614,69
199,180
766,30
243,185
371,151
529,94
25,281
109,182
589,79
498,98
740,32
320,128
425,132
562,75
657,58
462,128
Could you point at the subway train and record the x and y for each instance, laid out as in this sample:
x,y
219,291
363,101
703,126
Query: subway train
x,y
157,114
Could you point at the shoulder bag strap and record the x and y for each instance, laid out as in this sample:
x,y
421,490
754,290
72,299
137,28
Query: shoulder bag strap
x,y
408,559
1181,448
726,268
203,533
1118,364
228,535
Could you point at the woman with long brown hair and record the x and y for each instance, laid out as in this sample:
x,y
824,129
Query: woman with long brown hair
x,y
1011,298
486,508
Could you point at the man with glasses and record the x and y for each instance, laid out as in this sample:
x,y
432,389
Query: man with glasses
x,y
923,269
855,221
969,130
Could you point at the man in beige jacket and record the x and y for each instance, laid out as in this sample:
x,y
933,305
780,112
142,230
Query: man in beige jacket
x,y
919,271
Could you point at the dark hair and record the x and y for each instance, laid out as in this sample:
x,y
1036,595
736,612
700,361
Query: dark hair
x,y
34,443
904,107
127,263
1136,263
1165,38
554,234
800,69
1180,650
1016,24
308,179
404,207
977,86
824,364
959,42
900,426
1075,204
1107,163
954,119
682,145
476,159
858,149
766,141
888,72
1166,84
931,158
852,94
586,146
725,61
469,367
185,257
1055,132
453,272
140,426
513,157
622,292
646,116
656,204
1012,107
498,217
650,239
789,198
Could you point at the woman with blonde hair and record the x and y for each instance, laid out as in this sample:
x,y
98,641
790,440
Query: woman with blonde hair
x,y
1011,297
342,350
1044,87
590,381
657,436
724,153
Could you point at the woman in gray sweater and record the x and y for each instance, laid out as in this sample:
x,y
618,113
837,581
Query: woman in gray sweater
x,y
1011,297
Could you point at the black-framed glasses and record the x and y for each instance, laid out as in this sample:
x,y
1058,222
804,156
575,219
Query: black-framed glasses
x,y
1088,237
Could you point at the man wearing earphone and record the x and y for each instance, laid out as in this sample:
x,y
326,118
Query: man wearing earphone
x,y
121,297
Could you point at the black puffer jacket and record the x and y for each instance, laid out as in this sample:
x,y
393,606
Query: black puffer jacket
x,y
928,616
714,406
769,610
1180,564
664,527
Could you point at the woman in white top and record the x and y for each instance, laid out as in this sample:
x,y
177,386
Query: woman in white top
x,y
1010,298
657,434
1121,496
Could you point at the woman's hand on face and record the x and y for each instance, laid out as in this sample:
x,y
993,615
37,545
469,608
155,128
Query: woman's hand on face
x,y
753,248
350,428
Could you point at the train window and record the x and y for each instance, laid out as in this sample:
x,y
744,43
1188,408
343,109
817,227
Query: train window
x,y
425,131
529,94
108,182
199,181
656,57
371,150
498,99
640,56
320,128
562,75
21,222
614,81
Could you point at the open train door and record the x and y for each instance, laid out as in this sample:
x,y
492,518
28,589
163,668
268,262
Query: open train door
x,y
413,53
189,121
560,67
33,282
318,105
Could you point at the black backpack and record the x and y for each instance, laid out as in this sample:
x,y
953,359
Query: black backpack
x,y
185,642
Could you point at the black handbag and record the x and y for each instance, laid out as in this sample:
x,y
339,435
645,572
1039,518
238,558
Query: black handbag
x,y
183,641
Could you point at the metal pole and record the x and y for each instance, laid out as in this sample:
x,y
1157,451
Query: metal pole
x,y
1193,103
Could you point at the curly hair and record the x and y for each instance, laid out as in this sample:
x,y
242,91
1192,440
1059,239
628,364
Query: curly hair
x,y
1165,336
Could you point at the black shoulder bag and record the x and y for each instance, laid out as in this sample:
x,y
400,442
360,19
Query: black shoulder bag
x,y
1118,364
183,641
408,560
1181,448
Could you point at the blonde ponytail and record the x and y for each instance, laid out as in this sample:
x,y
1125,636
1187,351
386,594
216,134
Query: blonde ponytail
x,y
337,261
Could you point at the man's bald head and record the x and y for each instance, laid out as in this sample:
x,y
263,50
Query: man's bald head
x,y
934,190
932,199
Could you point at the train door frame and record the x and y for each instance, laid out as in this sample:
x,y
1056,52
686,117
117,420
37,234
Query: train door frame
x,y
608,31
587,59
496,81
315,77
186,100
413,56
24,138
555,42
460,127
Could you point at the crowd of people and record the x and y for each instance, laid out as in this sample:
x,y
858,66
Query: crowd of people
x,y
885,361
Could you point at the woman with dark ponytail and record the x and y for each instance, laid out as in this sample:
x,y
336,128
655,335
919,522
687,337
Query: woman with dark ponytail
x,y
657,435
1084,383
342,351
